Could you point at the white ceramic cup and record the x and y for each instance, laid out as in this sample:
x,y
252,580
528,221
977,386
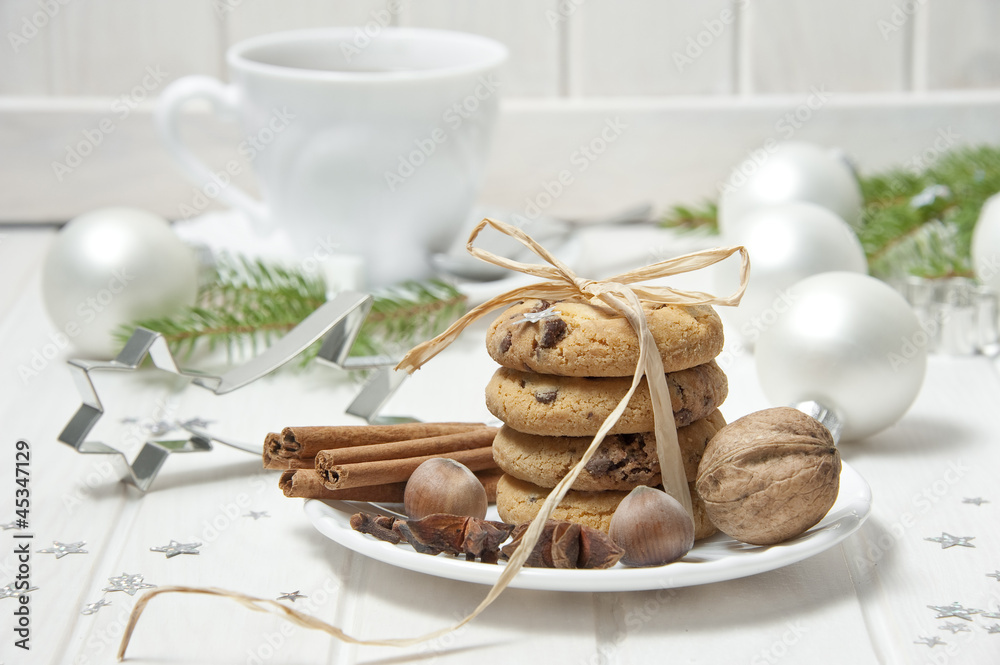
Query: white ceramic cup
x,y
376,145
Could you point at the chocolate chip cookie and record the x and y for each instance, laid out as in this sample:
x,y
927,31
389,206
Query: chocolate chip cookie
x,y
576,406
575,338
623,461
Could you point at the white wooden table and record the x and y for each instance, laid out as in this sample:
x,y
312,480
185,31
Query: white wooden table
x,y
864,601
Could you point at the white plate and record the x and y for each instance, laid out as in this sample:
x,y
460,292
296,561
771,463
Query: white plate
x,y
714,559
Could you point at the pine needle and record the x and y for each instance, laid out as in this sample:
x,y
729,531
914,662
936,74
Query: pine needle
x,y
247,304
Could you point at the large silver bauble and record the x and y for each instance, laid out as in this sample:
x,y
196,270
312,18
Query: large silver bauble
x,y
986,244
110,267
849,342
787,243
787,172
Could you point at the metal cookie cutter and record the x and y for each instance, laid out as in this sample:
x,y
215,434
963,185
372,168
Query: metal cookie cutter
x,y
337,322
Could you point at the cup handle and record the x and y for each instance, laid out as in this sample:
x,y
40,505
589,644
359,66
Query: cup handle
x,y
225,101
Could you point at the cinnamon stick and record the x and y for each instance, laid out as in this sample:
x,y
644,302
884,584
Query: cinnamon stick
x,y
303,442
382,472
307,484
433,445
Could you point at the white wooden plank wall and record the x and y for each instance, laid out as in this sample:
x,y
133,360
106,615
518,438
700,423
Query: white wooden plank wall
x,y
66,61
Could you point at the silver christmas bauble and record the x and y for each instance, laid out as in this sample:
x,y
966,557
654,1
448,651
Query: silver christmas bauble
x,y
986,244
793,171
787,243
849,342
110,267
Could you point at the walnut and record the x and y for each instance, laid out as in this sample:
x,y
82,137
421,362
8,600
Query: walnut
x,y
769,476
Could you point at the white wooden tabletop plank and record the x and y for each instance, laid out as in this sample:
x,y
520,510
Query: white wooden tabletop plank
x,y
943,451
865,599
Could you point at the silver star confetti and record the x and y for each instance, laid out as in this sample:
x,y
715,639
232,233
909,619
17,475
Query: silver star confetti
x,y
62,549
931,641
9,525
955,627
92,608
128,583
976,501
947,540
175,548
954,610
291,595
995,575
995,628
991,615
256,515
8,591
535,317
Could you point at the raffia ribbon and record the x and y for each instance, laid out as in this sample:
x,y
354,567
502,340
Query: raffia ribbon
x,y
562,283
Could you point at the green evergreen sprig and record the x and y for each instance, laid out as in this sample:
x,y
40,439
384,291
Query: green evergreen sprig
x,y
916,221
247,304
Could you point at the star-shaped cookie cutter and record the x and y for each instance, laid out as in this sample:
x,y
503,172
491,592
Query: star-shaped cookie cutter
x,y
337,323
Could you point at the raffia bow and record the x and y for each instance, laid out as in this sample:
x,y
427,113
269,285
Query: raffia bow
x,y
562,283
618,293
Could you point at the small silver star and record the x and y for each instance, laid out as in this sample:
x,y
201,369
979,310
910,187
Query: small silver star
x,y
955,627
175,548
128,583
991,615
291,595
8,591
995,628
954,610
200,423
92,608
947,540
9,525
995,575
62,549
256,515
930,641
978,501
535,317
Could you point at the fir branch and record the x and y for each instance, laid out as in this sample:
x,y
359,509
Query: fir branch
x,y
703,216
247,304
931,239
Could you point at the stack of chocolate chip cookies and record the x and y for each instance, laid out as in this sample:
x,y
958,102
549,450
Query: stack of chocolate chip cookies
x,y
565,366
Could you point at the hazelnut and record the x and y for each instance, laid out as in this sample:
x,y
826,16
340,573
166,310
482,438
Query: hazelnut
x,y
652,527
442,485
769,476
